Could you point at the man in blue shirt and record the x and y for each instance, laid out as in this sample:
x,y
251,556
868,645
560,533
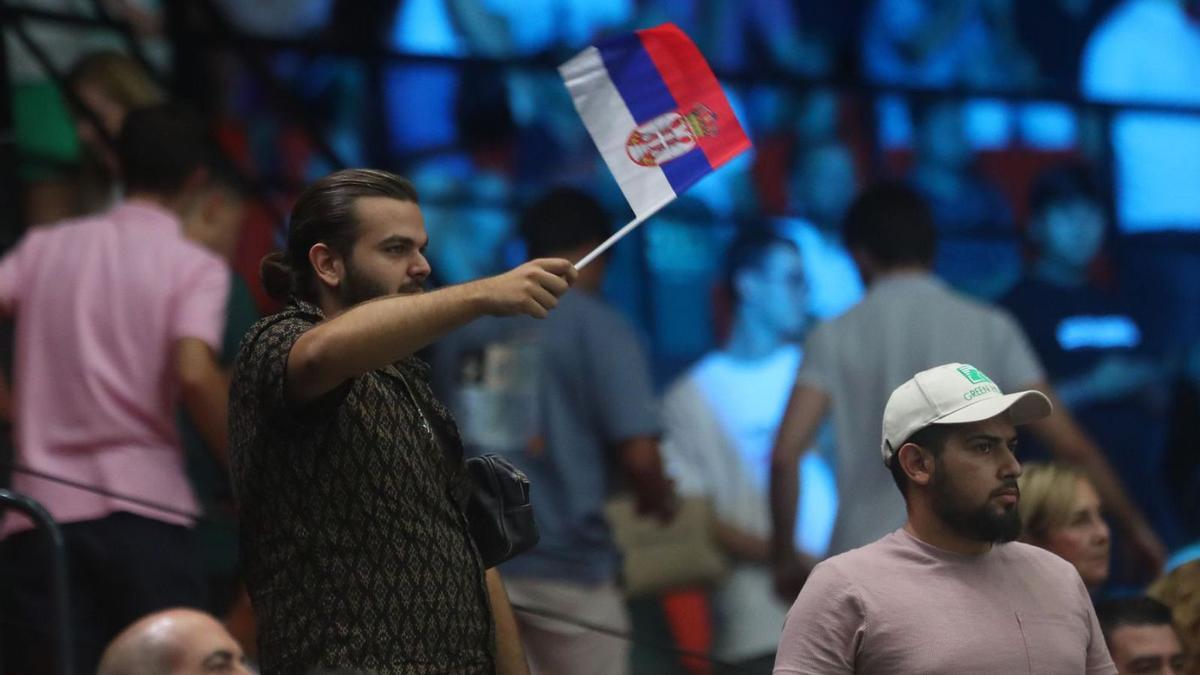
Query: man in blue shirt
x,y
568,400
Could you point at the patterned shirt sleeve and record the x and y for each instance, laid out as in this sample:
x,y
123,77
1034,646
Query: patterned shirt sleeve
x,y
263,364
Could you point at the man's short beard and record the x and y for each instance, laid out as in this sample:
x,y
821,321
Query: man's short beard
x,y
358,288
978,523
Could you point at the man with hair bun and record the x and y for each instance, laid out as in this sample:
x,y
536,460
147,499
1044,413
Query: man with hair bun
x,y
356,550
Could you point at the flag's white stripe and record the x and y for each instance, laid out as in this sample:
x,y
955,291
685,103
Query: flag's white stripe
x,y
609,122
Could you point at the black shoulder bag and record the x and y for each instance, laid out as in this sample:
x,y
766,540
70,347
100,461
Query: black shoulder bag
x,y
498,512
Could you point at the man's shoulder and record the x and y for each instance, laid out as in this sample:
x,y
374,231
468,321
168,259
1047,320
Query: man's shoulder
x,y
288,322
1028,555
865,562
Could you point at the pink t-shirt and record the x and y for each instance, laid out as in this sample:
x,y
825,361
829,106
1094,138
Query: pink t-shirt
x,y
99,305
899,605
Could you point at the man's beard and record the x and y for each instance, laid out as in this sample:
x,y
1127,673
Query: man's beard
x,y
979,523
358,287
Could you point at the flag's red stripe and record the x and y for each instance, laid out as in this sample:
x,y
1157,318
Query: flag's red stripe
x,y
690,81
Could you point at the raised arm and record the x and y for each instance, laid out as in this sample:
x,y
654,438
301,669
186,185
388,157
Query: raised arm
x,y
376,333
805,410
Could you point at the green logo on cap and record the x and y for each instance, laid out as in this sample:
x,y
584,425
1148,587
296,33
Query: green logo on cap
x,y
973,375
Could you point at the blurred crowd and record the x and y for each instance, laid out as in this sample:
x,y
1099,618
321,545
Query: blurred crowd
x,y
1050,144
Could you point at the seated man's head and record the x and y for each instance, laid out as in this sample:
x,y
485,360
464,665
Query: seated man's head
x,y
766,283
1060,512
1066,219
949,435
173,642
1140,636
889,227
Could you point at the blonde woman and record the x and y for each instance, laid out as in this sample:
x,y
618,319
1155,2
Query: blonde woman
x,y
1060,512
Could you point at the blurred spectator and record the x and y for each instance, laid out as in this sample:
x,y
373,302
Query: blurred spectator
x,y
109,84
738,32
1141,636
1148,51
118,318
1054,33
978,251
49,149
1178,590
467,215
569,401
822,186
943,43
1102,352
174,642
719,420
216,224
1060,512
908,321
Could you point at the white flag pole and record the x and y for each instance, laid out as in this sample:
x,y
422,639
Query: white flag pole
x,y
619,235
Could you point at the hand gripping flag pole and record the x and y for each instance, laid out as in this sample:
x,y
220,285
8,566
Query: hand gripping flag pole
x,y
656,113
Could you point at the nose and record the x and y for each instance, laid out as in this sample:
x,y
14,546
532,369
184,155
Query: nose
x,y
420,269
1010,466
1102,533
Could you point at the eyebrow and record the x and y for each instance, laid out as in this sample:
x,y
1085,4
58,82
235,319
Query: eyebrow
x,y
400,239
990,437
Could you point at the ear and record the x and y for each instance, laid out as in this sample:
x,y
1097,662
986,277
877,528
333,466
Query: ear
x,y
327,264
916,462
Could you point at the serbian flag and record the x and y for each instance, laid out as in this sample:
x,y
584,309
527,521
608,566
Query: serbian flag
x,y
655,111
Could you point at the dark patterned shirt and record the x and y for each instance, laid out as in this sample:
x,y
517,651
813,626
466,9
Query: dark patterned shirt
x,y
355,547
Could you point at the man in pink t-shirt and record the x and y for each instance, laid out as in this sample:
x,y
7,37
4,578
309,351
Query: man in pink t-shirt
x,y
951,591
117,320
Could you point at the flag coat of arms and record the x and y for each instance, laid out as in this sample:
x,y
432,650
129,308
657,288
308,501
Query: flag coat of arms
x,y
655,111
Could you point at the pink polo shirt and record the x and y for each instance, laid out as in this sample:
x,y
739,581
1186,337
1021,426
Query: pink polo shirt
x,y
99,305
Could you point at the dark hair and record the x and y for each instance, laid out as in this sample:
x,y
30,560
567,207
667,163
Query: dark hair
x,y
933,438
892,223
160,146
748,250
563,219
1135,611
324,213
1069,182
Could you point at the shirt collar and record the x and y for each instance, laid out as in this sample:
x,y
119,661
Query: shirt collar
x,y
148,212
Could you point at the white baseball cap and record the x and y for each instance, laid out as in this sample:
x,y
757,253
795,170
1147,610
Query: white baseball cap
x,y
955,393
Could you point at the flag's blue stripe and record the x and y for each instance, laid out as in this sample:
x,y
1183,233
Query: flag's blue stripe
x,y
646,95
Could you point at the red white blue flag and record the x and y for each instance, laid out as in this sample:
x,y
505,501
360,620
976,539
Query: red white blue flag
x,y
655,111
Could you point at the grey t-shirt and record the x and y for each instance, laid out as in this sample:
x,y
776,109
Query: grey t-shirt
x,y
906,324
554,396
900,605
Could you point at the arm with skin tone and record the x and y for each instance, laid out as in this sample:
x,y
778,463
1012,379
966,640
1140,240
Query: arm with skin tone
x,y
805,411
204,387
379,332
510,656
642,465
741,544
1070,443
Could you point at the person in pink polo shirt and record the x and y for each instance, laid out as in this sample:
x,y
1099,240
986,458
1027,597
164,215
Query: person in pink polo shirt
x,y
117,320
950,591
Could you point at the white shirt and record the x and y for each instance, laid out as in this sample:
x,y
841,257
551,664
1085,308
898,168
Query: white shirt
x,y
720,421
1149,51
